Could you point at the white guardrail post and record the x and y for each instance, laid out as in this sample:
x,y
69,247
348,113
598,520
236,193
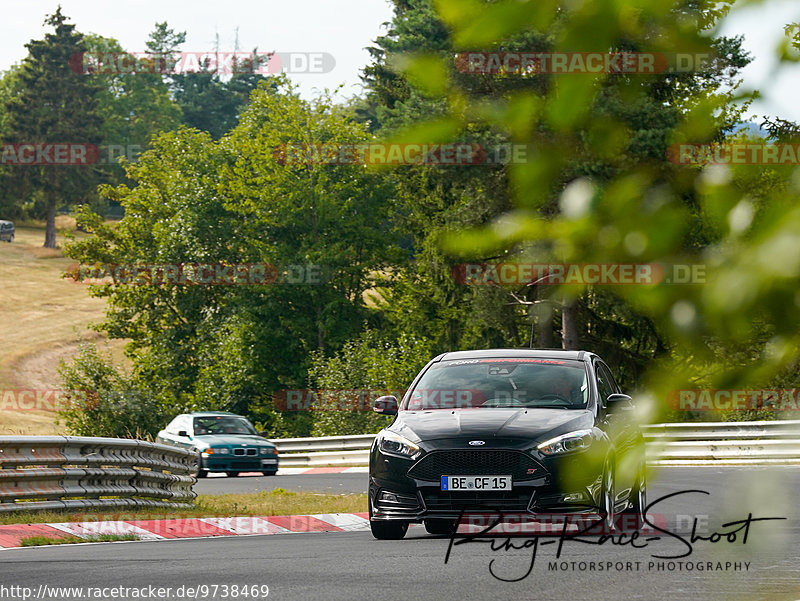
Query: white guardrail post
x,y
70,472
708,443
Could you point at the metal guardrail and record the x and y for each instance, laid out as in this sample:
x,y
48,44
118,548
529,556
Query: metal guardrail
x,y
721,443
324,443
70,472
711,443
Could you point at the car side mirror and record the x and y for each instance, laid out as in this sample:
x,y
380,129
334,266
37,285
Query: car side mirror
x,y
385,405
619,401
264,434
183,434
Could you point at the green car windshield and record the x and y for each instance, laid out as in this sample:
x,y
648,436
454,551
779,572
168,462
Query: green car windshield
x,y
222,424
501,383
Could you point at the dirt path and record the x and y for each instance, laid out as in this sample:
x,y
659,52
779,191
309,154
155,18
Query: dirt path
x,y
44,318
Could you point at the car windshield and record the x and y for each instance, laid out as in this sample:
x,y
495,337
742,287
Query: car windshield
x,y
501,383
222,424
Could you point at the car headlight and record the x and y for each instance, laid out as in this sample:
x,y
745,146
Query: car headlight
x,y
394,444
268,451
566,443
217,451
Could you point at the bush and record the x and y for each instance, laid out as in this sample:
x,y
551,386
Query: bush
x,y
99,400
369,363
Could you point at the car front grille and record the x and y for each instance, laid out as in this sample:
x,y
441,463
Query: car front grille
x,y
485,501
487,462
245,451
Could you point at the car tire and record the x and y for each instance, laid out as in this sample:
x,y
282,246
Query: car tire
x,y
440,526
388,530
269,473
608,492
633,518
197,471
232,474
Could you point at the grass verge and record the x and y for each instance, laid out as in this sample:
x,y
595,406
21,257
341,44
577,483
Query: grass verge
x,y
40,541
45,316
264,503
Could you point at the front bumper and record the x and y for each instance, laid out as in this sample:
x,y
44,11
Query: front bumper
x,y
564,485
227,463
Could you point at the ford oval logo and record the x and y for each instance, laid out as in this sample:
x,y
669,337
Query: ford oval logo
x,y
476,443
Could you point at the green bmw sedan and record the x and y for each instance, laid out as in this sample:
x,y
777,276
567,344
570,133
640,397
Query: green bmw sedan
x,y
226,443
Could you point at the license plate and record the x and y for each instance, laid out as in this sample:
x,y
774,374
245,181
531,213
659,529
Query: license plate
x,y
269,461
476,483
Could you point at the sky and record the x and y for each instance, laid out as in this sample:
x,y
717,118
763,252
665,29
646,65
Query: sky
x,y
762,25
341,28
344,29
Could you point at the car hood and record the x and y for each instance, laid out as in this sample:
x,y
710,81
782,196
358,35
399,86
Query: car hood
x,y
526,424
216,440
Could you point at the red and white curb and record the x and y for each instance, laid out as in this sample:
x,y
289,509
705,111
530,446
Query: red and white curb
x,y
11,535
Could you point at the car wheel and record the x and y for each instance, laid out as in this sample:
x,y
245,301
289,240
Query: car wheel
x,y
197,469
232,474
608,498
386,530
269,473
440,526
633,518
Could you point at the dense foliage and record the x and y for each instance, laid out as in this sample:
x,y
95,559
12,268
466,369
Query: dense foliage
x,y
596,187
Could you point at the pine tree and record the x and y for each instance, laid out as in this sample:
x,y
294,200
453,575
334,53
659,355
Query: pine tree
x,y
53,104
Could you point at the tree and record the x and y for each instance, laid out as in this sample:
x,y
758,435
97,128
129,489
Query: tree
x,y
213,103
369,366
53,104
233,202
134,107
413,76
164,43
636,205
210,99
10,206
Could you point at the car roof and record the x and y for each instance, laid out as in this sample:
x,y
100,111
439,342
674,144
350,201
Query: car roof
x,y
6,222
212,413
515,352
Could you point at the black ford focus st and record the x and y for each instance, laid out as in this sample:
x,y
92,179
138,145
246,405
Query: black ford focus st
x,y
513,431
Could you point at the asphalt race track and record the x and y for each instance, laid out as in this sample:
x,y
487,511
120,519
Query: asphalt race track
x,y
351,566
327,483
